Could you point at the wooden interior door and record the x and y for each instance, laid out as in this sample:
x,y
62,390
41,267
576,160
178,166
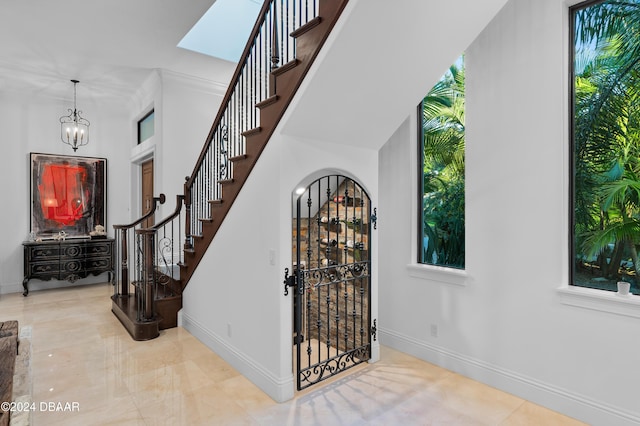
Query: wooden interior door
x,y
147,192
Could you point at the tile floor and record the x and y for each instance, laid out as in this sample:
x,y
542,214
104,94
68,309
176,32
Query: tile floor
x,y
81,354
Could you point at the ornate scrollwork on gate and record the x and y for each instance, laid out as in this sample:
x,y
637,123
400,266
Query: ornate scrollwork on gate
x,y
333,366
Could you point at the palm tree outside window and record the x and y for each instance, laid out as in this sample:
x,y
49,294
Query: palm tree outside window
x,y
605,144
441,176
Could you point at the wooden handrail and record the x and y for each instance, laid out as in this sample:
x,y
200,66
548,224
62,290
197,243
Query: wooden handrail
x,y
122,248
231,89
161,199
270,47
176,212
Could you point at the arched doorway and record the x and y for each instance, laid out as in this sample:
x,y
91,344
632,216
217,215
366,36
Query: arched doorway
x,y
332,264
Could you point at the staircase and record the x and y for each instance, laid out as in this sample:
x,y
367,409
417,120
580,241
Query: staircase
x,y
285,40
147,289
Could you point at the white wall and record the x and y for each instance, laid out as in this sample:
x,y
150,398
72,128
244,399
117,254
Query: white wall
x,y
188,109
30,124
184,111
382,54
225,292
505,322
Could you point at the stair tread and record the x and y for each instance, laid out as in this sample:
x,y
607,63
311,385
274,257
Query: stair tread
x,y
306,27
205,220
286,67
218,201
230,180
253,131
238,158
269,101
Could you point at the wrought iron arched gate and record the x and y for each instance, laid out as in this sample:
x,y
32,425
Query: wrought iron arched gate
x,y
331,278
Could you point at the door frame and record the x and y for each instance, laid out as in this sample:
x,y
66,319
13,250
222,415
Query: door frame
x,y
150,221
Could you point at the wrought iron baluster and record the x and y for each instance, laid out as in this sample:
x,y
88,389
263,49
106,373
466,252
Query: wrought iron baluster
x,y
224,162
275,38
260,97
246,105
284,35
138,288
346,315
254,111
337,317
180,252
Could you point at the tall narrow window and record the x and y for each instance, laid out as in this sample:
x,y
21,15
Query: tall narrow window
x,y
605,143
146,127
441,175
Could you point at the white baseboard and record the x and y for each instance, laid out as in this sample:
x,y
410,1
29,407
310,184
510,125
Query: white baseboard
x,y
36,284
8,288
280,389
561,400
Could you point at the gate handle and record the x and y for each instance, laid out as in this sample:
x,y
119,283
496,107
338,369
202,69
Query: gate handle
x,y
289,281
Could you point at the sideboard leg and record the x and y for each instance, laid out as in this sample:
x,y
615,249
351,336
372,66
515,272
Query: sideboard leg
x,y
25,283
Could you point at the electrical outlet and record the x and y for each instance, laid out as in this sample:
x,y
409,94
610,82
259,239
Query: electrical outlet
x,y
434,330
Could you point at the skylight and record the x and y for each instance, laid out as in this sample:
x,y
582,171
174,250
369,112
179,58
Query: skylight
x,y
224,29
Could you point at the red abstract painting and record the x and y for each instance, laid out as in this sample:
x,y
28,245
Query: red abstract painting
x,y
68,194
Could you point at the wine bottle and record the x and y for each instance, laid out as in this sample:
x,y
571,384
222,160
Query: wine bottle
x,y
358,245
330,242
348,200
332,221
354,223
327,262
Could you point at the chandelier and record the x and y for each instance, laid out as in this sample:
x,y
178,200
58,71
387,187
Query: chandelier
x,y
74,129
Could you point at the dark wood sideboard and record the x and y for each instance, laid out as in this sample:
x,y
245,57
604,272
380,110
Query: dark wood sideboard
x,y
67,260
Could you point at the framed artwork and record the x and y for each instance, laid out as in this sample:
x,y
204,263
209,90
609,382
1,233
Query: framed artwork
x,y
68,194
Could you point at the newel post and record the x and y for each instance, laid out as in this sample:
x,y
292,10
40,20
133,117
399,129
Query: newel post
x,y
124,263
148,253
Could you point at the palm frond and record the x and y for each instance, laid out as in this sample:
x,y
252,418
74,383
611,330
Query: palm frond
x,y
595,242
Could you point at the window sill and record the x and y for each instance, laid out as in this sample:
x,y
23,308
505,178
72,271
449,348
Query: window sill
x,y
600,300
438,273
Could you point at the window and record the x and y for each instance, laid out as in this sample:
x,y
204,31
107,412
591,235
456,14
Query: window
x,y
441,176
605,143
146,127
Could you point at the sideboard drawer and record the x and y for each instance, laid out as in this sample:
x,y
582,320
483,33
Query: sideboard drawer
x,y
44,252
72,251
100,249
98,264
42,269
71,265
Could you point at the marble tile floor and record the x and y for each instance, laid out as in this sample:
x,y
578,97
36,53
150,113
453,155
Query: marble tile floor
x,y
83,357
